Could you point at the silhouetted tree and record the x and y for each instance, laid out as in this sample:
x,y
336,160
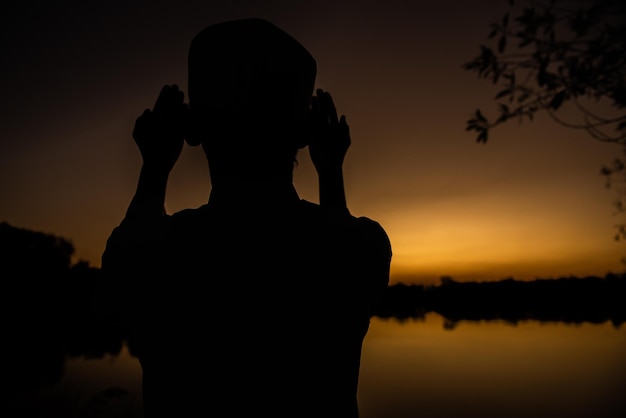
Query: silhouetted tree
x,y
556,52
48,309
38,274
24,252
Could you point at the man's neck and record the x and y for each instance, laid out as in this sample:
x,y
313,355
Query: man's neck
x,y
250,193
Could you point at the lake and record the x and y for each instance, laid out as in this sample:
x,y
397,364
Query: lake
x,y
420,368
426,367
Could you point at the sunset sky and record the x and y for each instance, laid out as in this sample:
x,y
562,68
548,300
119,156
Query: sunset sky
x,y
529,203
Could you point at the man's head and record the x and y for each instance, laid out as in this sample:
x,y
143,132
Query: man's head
x,y
251,82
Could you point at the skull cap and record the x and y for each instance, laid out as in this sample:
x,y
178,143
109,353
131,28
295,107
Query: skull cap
x,y
250,66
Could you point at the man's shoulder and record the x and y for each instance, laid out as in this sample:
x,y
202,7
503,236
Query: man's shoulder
x,y
360,225
188,214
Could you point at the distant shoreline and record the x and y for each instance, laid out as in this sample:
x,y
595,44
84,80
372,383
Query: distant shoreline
x,y
569,299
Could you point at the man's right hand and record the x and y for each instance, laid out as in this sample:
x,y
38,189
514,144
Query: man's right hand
x,y
159,132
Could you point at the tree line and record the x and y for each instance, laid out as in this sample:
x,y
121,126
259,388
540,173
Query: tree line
x,y
570,299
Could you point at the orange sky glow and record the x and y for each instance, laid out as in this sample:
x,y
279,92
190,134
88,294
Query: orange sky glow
x,y
529,203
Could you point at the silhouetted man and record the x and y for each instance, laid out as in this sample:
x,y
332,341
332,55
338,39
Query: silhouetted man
x,y
257,303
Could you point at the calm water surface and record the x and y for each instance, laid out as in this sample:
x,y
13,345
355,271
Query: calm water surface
x,y
493,369
419,368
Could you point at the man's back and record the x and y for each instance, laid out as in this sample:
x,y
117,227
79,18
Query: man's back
x,y
258,311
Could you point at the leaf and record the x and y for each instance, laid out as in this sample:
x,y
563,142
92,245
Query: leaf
x,y
502,44
502,93
480,116
526,41
557,100
486,54
494,31
482,137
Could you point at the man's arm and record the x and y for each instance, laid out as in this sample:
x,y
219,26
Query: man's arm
x,y
158,134
133,245
330,140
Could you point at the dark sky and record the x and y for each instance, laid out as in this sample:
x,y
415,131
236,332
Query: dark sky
x,y
529,203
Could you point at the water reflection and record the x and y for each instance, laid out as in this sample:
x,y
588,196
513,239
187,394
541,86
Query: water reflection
x,y
420,368
411,368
